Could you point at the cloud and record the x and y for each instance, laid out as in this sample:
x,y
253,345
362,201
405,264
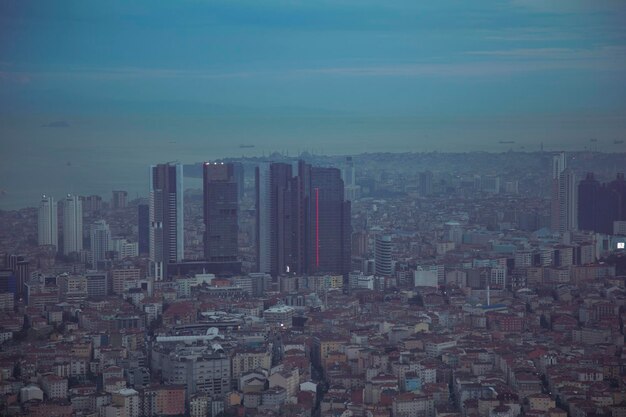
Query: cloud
x,y
472,63
600,53
493,63
126,73
14,77
570,6
56,123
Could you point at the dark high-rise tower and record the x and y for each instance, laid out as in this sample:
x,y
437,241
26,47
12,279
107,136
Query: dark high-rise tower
x,y
303,222
618,186
330,229
600,205
588,199
239,175
166,218
221,207
275,201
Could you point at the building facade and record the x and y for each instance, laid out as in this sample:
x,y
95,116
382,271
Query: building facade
x,y
303,221
166,218
47,228
100,235
383,256
564,202
72,225
221,210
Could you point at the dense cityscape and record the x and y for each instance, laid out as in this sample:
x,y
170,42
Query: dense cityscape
x,y
372,285
312,208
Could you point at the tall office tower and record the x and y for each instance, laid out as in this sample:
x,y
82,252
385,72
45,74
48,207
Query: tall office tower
x,y
47,228
239,175
330,230
599,205
618,186
426,183
383,256
100,242
221,208
22,274
166,218
274,199
118,201
303,222
263,207
348,173
588,199
559,164
568,201
143,228
72,224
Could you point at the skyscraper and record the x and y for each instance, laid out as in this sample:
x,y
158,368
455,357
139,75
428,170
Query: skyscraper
x,y
47,229
618,186
599,205
143,228
588,196
330,223
221,209
263,207
100,241
239,175
564,202
383,256
348,174
303,222
568,201
426,183
275,205
166,218
72,224
118,201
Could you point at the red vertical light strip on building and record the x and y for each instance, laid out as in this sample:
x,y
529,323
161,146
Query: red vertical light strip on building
x,y
317,227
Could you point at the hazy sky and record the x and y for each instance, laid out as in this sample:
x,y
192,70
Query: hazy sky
x,y
192,80
319,74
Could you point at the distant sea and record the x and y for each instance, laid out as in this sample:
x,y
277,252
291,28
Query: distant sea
x,y
24,192
24,179
53,162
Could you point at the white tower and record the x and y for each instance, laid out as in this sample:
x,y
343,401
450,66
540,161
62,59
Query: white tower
x,y
568,201
564,196
47,228
383,256
72,224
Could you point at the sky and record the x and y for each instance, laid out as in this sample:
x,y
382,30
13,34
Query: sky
x,y
103,83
